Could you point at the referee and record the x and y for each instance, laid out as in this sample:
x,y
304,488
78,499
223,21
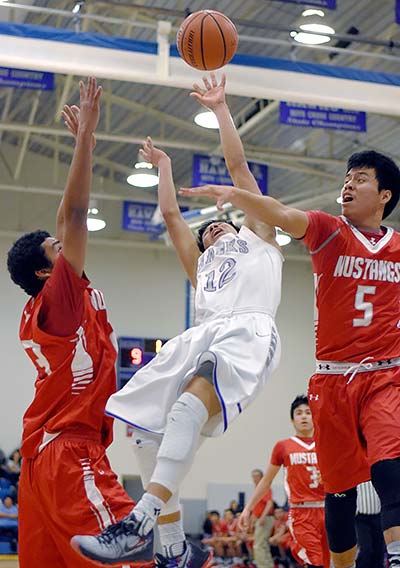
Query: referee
x,y
371,545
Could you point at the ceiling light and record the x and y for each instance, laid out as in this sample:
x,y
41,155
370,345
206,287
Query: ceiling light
x,y
94,223
312,21
282,238
78,6
145,175
312,12
206,119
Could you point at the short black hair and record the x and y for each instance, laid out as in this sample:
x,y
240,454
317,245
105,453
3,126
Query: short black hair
x,y
387,174
298,401
25,257
204,226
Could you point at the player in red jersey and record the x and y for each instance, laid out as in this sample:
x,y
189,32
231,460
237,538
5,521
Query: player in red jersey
x,y
66,481
306,495
355,392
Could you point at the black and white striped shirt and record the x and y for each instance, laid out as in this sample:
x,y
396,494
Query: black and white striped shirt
x,y
368,502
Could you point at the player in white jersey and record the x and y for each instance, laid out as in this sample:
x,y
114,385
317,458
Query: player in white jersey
x,y
202,379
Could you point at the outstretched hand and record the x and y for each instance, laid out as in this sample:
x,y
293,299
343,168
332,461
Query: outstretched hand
x,y
150,153
213,93
220,193
244,519
86,117
89,104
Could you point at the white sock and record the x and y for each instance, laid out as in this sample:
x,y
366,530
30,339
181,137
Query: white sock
x,y
172,538
393,549
147,511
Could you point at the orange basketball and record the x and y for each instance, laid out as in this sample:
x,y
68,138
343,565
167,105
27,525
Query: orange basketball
x,y
207,40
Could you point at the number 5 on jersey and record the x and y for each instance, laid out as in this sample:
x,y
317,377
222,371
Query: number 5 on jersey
x,y
363,306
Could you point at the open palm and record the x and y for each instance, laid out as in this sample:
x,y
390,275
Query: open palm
x,y
150,153
213,93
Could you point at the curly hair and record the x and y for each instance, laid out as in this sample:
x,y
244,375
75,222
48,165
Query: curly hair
x,y
25,257
298,401
204,226
387,174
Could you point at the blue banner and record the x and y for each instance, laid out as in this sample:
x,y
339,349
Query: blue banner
x,y
26,79
322,117
329,4
397,11
212,170
137,216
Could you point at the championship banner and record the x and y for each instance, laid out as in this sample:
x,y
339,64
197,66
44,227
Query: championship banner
x,y
212,170
328,4
25,79
322,117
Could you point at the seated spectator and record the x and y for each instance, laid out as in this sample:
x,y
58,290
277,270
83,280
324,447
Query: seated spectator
x,y
9,520
13,466
231,537
280,540
235,507
3,465
213,538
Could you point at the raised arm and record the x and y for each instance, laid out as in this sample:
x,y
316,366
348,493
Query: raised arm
x,y
181,236
258,494
70,115
212,96
72,214
264,208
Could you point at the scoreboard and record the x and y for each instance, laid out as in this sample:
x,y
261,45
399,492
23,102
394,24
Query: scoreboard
x,y
133,354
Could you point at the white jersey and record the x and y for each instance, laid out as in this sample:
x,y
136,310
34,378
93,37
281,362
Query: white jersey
x,y
240,273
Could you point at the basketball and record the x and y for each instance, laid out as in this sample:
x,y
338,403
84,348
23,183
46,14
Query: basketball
x,y
207,40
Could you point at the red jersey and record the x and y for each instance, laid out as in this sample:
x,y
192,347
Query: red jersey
x,y
357,310
299,460
262,503
75,373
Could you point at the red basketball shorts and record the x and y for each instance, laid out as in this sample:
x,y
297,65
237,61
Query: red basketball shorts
x,y
357,424
68,489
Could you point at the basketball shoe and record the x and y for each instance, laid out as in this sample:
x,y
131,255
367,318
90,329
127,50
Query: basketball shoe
x,y
193,557
117,544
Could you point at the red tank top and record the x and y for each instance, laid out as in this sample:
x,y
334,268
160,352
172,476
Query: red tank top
x,y
299,460
75,374
357,290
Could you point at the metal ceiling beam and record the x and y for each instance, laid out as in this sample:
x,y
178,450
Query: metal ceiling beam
x,y
134,66
268,155
172,120
25,141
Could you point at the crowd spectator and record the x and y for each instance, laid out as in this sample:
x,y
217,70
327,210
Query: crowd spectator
x,y
213,531
231,538
9,520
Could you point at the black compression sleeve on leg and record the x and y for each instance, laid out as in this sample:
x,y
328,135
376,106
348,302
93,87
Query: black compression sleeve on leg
x,y
385,477
340,510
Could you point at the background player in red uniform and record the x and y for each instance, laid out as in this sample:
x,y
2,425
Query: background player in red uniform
x,y
66,481
355,393
306,495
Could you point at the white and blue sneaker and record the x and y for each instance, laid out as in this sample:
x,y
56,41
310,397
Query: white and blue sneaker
x,y
193,557
117,544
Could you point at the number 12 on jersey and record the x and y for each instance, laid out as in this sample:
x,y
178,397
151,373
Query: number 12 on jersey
x,y
216,279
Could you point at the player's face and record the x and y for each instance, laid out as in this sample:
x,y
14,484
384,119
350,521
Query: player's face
x,y
52,248
302,420
214,231
360,195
